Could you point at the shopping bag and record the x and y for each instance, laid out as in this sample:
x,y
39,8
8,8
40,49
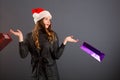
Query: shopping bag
x,y
5,39
92,51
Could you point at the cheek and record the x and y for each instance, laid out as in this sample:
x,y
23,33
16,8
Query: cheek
x,y
44,22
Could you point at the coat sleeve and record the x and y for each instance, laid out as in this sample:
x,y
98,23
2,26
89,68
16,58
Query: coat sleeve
x,y
23,48
57,50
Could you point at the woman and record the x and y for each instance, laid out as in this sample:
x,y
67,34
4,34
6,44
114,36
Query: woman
x,y
43,45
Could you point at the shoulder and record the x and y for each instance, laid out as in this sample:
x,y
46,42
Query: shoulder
x,y
29,35
56,36
55,33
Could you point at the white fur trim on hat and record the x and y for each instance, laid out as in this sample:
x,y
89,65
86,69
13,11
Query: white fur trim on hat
x,y
39,16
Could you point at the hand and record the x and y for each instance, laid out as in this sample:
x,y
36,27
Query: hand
x,y
17,33
70,39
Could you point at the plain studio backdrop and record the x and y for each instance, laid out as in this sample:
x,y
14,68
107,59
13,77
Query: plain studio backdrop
x,y
94,21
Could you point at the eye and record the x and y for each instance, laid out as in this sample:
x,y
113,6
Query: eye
x,y
45,18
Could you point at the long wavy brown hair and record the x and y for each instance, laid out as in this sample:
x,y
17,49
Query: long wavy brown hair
x,y
39,26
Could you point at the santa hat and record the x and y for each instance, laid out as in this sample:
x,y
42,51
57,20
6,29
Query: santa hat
x,y
39,13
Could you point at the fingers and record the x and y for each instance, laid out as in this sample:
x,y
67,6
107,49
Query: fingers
x,y
11,31
71,39
19,31
71,36
75,40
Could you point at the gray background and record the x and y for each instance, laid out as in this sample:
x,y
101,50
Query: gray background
x,y
94,21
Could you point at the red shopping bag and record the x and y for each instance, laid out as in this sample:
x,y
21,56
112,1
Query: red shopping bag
x,y
5,39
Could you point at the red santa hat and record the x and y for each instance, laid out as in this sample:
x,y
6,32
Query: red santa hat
x,y
39,13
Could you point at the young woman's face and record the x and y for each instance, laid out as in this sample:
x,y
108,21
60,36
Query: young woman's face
x,y
46,21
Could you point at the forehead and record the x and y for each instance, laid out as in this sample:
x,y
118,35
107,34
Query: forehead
x,y
47,17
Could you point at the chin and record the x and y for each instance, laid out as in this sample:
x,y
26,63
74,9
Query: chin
x,y
46,27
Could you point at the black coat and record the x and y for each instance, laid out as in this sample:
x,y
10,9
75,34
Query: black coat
x,y
43,60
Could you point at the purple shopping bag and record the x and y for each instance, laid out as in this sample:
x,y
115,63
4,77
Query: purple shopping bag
x,y
95,53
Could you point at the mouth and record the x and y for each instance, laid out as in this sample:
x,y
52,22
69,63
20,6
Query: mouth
x,y
47,25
